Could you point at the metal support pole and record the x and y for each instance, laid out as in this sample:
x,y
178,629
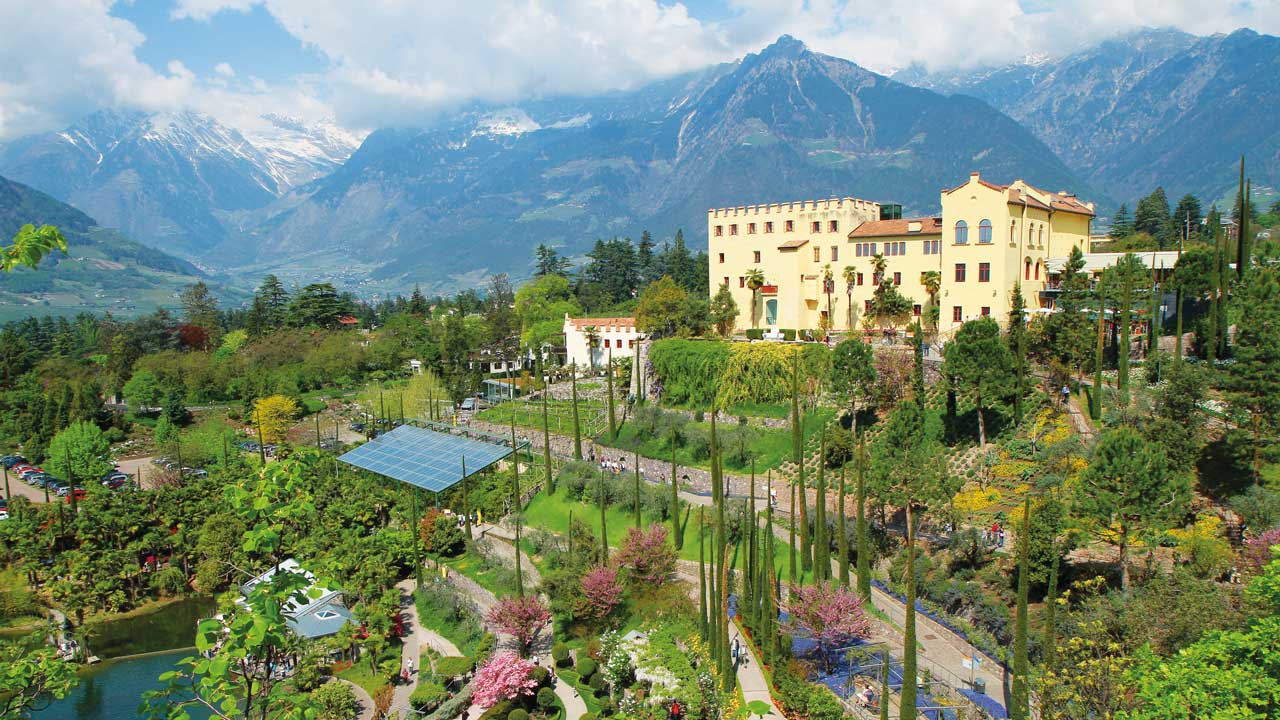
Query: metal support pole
x,y
417,544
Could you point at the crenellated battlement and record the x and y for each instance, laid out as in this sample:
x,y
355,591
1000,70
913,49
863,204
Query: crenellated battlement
x,y
794,206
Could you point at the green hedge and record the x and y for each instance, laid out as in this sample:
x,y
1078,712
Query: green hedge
x,y
586,668
546,697
428,696
560,654
688,369
453,666
755,334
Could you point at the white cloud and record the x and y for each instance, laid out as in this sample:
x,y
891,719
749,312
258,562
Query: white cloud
x,y
397,62
71,58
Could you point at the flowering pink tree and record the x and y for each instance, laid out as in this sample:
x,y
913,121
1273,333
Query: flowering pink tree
x,y
1257,550
521,618
646,556
830,615
505,677
602,592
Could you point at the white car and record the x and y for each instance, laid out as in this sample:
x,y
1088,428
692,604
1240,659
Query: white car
x,y
4,514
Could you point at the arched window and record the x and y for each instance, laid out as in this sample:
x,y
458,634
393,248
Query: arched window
x,y
962,232
1040,239
984,231
1037,269
1013,230
1026,272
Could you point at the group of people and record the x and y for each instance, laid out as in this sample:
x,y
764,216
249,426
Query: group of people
x,y
866,697
994,535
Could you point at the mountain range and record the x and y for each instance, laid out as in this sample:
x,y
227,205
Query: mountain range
x,y
1154,107
472,193
102,271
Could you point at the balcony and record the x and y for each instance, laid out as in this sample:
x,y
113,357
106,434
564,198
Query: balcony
x,y
768,289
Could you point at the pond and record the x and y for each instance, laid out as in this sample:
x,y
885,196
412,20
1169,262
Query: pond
x,y
112,690
170,626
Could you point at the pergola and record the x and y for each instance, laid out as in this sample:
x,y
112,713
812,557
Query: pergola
x,y
427,459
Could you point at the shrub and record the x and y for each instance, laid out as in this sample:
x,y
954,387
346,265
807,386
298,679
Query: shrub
x,y
334,700
540,675
597,682
546,697
588,716
453,666
560,654
755,334
428,696
518,714
586,668
788,335
689,369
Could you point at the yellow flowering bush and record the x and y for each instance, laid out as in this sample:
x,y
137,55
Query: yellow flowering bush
x,y
975,499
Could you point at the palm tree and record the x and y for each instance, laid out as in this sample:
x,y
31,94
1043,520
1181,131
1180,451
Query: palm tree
x,y
850,275
828,287
593,341
932,282
755,281
878,265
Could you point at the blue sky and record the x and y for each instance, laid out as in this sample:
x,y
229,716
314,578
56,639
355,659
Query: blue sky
x,y
252,42
373,63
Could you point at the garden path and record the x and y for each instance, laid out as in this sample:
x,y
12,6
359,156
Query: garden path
x,y
942,650
363,702
751,678
574,707
410,647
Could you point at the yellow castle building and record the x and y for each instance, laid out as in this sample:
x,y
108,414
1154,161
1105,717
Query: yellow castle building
x,y
807,265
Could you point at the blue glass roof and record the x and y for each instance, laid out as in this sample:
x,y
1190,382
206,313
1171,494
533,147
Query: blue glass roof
x,y
424,458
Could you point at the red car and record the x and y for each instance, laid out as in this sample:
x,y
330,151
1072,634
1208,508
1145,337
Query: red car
x,y
78,492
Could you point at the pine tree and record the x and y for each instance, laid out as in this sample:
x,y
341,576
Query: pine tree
x,y
1125,277
549,480
1121,224
907,701
636,498
1253,380
1095,400
791,539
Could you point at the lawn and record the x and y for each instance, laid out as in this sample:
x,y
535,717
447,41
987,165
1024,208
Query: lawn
x,y
493,576
362,676
559,414
769,446
551,512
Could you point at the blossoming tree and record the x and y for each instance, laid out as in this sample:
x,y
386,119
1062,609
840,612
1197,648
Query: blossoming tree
x,y
830,615
520,617
505,677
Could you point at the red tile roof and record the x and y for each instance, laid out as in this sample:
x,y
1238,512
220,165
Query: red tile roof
x,y
602,323
791,244
348,320
893,228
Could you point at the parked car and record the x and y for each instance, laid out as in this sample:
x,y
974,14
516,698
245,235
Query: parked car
x,y
194,472
114,480
65,491
10,460
28,473
4,514
159,460
80,494
19,469
40,480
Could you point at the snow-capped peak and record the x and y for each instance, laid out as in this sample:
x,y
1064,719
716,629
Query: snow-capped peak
x,y
508,121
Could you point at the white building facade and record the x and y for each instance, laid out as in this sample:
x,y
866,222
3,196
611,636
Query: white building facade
x,y
590,342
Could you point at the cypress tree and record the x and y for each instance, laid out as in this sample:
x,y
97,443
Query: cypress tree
x,y
549,480
1242,223
860,527
613,421
1095,400
1018,706
842,542
907,706
797,456
1018,344
949,420
515,502
791,540
1209,345
748,604
677,531
577,426
768,636
604,529
821,546
1224,293
917,375
636,499
1049,643
702,572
